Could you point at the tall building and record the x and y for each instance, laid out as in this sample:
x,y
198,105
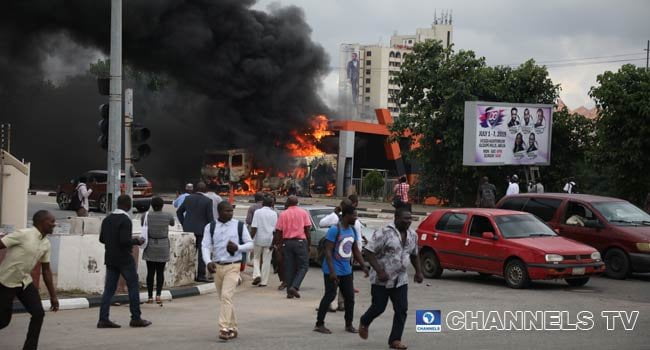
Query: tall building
x,y
372,74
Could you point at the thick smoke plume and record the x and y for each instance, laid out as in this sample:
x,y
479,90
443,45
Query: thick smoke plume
x,y
238,78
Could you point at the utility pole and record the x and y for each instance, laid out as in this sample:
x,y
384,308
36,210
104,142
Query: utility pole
x,y
115,108
647,56
128,122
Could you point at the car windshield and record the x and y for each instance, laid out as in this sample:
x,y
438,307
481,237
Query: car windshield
x,y
522,226
622,213
318,214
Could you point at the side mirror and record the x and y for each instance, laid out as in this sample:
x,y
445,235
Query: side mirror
x,y
489,235
594,224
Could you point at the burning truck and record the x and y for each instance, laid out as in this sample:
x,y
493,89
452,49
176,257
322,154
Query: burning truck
x,y
309,171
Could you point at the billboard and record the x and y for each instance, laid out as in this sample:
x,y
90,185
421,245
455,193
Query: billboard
x,y
501,133
349,76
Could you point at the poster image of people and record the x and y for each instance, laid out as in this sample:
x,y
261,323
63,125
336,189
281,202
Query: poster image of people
x,y
353,75
494,138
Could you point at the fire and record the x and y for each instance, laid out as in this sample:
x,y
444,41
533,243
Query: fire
x,y
219,165
330,189
306,144
252,188
299,173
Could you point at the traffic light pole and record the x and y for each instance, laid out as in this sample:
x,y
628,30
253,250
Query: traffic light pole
x,y
115,108
128,122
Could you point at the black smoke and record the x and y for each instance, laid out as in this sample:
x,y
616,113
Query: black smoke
x,y
237,77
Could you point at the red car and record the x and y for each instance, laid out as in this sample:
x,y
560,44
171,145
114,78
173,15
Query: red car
x,y
96,180
512,244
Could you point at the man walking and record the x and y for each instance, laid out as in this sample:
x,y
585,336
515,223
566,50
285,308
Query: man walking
x,y
262,228
223,243
401,191
340,246
388,251
189,188
26,248
293,225
214,197
513,187
116,235
194,214
486,194
259,197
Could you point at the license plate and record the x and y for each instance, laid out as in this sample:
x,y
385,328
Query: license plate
x,y
137,193
578,271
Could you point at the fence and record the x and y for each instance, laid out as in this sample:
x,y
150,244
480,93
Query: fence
x,y
385,194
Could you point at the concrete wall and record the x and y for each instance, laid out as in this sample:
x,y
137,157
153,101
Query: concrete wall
x,y
78,257
15,183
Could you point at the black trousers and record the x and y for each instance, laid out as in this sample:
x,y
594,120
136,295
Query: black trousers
x,y
32,302
399,298
200,273
112,277
346,285
296,262
158,269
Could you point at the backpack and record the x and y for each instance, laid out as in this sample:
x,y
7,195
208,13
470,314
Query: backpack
x,y
240,233
321,244
75,202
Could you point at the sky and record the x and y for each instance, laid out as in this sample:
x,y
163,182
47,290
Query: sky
x,y
505,32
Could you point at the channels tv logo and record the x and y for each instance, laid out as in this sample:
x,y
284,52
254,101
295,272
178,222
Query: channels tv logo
x,y
428,321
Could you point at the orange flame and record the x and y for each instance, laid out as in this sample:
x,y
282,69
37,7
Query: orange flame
x,y
330,189
306,144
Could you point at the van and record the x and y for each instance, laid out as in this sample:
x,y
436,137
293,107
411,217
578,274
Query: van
x,y
619,230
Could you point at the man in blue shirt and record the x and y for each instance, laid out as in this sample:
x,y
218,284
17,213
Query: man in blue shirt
x,y
340,246
189,188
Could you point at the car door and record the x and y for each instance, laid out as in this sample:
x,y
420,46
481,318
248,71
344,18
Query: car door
x,y
571,226
449,240
484,255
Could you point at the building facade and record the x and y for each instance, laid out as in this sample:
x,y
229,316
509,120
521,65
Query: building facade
x,y
368,72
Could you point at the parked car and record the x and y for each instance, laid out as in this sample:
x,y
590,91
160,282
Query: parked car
x,y
618,229
97,181
515,245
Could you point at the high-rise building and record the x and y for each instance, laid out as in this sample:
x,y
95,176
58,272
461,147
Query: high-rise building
x,y
367,73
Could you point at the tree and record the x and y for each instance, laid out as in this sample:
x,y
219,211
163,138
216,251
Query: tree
x,y
436,82
622,146
373,182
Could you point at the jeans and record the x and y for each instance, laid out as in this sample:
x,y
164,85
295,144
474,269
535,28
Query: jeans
x,y
296,262
200,273
112,276
158,269
346,286
399,298
32,302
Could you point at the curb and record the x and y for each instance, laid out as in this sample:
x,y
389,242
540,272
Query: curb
x,y
96,300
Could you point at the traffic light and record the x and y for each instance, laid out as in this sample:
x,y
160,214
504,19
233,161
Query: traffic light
x,y
102,140
139,136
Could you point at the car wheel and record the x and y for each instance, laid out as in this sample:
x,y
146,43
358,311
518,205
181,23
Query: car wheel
x,y
63,200
577,282
430,265
101,203
516,274
143,208
617,264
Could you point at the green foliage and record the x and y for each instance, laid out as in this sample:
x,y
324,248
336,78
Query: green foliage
x,y
154,82
436,82
622,147
373,182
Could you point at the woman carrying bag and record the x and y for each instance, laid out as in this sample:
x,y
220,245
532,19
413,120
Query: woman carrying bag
x,y
155,231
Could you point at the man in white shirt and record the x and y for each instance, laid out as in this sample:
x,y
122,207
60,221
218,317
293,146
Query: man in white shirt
x,y
262,228
216,199
569,187
513,188
84,193
222,253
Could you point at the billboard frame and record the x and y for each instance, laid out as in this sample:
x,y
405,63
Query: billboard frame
x,y
470,129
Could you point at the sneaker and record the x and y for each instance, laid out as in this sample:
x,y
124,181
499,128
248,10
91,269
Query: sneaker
x,y
107,324
139,323
233,333
257,281
224,334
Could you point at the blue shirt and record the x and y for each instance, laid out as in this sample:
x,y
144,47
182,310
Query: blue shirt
x,y
342,254
179,201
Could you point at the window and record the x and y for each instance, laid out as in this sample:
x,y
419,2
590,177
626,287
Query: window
x,y
367,98
367,71
448,38
367,80
237,160
577,213
479,225
391,54
398,55
410,41
544,208
368,62
367,89
516,203
451,222
368,53
522,226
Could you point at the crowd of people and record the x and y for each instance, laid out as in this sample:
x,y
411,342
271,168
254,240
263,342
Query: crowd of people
x,y
223,244
486,194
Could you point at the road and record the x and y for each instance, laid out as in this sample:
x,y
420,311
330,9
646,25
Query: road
x,y
268,320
